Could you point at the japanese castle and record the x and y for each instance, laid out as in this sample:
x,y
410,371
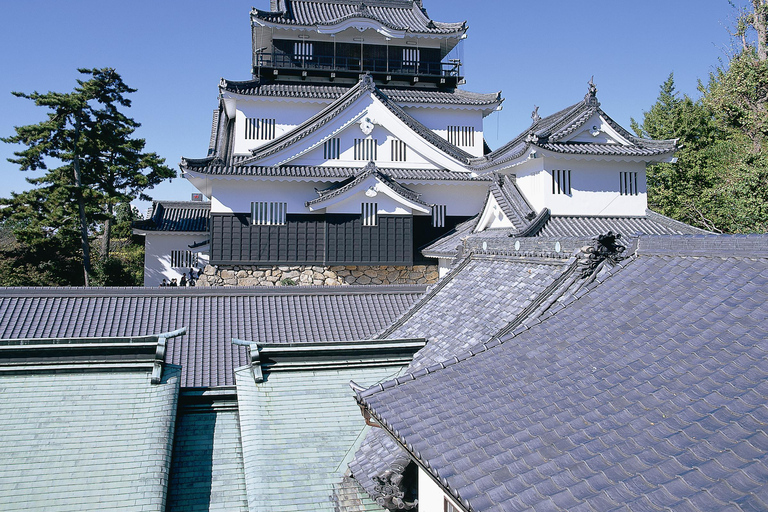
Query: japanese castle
x,y
352,147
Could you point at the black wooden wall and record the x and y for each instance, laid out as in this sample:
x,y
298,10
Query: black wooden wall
x,y
323,240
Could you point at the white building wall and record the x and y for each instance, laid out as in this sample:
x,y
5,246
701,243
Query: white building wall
x,y
594,187
462,199
438,120
431,496
236,195
287,114
157,255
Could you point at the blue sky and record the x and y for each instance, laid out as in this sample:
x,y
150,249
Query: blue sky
x,y
174,53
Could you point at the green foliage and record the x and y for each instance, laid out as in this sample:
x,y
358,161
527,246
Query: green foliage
x,y
288,282
95,164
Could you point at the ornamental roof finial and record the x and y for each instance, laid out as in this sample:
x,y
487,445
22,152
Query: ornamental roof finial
x,y
591,97
535,114
367,82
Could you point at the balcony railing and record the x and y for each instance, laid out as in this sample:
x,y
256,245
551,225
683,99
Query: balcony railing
x,y
338,63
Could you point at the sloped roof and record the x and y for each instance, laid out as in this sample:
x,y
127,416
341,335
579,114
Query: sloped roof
x,y
482,297
549,133
405,15
177,216
207,471
364,86
645,391
370,170
557,227
215,168
400,95
213,316
301,427
56,453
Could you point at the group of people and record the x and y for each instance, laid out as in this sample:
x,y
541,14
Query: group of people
x,y
184,280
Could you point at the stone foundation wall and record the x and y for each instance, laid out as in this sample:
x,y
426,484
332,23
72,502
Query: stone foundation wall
x,y
316,276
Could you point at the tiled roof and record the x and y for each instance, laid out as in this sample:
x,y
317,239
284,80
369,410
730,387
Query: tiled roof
x,y
177,216
91,440
207,471
208,166
213,316
457,97
477,300
448,246
396,14
549,133
579,226
301,426
343,187
364,86
648,390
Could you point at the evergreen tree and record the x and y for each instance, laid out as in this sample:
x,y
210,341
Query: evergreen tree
x,y
100,165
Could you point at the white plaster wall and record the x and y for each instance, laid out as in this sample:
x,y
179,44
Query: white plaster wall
x,y
157,255
594,187
385,205
464,199
236,195
287,114
431,496
438,120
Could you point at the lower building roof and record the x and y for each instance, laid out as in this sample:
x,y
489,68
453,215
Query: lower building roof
x,y
646,390
213,317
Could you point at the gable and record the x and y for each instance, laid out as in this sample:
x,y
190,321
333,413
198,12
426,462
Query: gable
x,y
596,130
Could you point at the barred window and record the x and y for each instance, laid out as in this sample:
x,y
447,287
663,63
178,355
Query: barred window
x,y
438,215
259,129
303,51
561,182
448,506
628,183
184,259
461,135
366,149
266,213
370,214
398,151
331,149
410,56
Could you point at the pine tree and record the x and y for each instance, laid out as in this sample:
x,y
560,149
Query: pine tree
x,y
99,163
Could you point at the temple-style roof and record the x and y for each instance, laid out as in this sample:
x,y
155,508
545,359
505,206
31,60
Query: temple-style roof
x,y
365,86
551,134
645,390
177,216
400,15
211,166
369,171
556,227
400,95
214,316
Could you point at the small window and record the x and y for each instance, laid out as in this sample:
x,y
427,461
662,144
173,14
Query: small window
x,y
184,259
561,182
266,213
259,129
398,151
303,51
461,135
370,214
438,215
410,57
331,149
628,183
366,149
448,506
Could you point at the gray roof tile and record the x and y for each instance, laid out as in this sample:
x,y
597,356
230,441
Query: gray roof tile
x,y
213,317
396,14
652,404
177,216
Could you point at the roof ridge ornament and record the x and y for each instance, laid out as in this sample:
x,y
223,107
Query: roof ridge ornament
x,y
366,82
535,114
591,96
604,248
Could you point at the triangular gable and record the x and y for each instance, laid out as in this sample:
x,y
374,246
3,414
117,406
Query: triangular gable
x,y
363,104
505,207
369,183
596,130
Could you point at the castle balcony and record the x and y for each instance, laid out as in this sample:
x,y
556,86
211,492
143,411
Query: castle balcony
x,y
278,65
